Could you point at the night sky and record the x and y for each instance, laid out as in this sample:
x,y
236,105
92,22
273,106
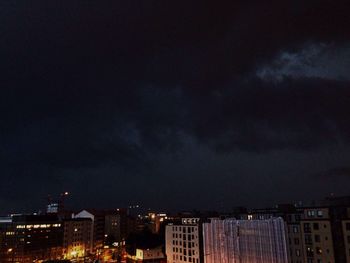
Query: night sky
x,y
173,104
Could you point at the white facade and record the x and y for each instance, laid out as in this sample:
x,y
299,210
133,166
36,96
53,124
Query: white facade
x,y
245,241
182,242
86,214
149,254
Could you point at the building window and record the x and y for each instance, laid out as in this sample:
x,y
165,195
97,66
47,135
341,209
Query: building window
x,y
308,240
348,239
319,213
317,238
309,252
296,241
295,229
316,226
318,251
348,226
307,228
311,213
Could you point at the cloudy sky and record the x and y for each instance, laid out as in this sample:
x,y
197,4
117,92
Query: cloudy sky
x,y
173,104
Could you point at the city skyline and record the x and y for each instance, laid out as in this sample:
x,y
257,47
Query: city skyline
x,y
174,105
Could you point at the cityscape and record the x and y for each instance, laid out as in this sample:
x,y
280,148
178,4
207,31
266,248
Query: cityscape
x,y
163,131
285,233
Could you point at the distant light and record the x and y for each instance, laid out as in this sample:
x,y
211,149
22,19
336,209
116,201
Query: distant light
x,y
66,193
9,250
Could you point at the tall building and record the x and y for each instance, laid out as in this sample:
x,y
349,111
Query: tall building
x,y
154,221
236,241
98,227
77,238
183,241
318,234
116,225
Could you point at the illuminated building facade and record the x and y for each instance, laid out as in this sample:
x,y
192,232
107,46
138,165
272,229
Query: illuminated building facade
x,y
183,241
77,238
292,217
155,220
31,237
253,241
154,255
98,229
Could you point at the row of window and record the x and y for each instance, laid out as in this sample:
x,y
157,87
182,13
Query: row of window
x,y
189,236
310,251
191,252
185,244
314,213
185,259
315,226
190,229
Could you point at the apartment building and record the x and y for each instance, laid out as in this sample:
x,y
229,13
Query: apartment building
x,y
183,241
77,238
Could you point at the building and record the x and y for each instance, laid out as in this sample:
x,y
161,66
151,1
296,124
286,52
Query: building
x,y
236,241
57,206
316,227
292,216
183,241
155,220
316,233
116,226
77,238
154,255
98,227
29,238
346,235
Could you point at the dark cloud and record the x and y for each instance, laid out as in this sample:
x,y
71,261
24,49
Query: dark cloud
x,y
314,61
335,173
124,97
